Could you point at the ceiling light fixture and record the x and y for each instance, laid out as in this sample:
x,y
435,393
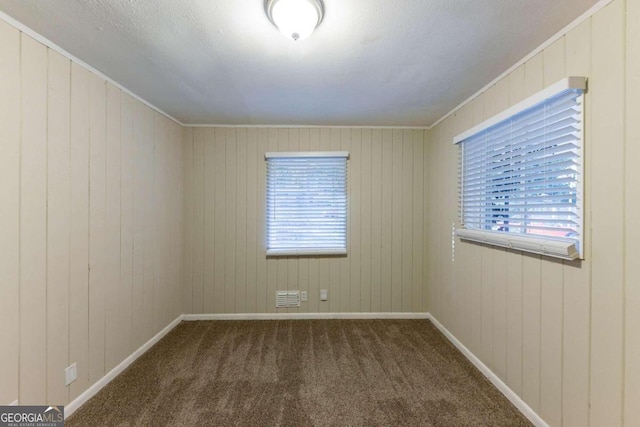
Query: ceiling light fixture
x,y
296,19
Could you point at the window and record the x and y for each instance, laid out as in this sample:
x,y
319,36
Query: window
x,y
307,203
521,174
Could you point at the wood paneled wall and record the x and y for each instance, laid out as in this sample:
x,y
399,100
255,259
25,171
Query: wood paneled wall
x,y
565,336
226,270
90,223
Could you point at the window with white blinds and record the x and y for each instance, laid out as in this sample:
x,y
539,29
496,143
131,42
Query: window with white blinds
x,y
521,176
307,203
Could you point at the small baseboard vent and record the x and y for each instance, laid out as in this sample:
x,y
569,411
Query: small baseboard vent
x,y
287,299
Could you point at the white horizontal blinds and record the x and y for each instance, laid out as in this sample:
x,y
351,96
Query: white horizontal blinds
x,y
524,174
307,203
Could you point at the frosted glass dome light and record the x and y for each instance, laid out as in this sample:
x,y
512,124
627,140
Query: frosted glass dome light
x,y
296,19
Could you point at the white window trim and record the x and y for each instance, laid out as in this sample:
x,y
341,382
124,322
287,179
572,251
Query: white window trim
x,y
538,245
308,252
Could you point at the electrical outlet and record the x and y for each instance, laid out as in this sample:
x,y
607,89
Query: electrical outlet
x,y
70,374
303,295
324,295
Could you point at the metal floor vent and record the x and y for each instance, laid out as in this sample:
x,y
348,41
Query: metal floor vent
x,y
287,298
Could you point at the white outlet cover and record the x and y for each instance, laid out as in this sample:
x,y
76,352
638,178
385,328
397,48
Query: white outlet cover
x,y
324,294
70,374
303,295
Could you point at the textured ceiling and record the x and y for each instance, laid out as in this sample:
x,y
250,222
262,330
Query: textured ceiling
x,y
370,62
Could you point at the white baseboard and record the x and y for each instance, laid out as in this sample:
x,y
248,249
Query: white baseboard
x,y
495,380
95,388
303,316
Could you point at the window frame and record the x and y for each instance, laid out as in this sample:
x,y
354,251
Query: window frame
x,y
307,251
569,248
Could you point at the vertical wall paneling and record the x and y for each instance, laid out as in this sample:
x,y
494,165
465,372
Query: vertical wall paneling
x,y
79,233
252,220
607,220
188,190
160,300
77,158
261,262
58,110
139,171
343,263
376,220
245,280
387,203
218,183
407,220
355,213
551,279
97,228
418,202
209,221
577,287
241,222
571,346
125,296
365,221
113,229
10,84
149,214
230,223
199,199
632,219
577,292
396,220
33,222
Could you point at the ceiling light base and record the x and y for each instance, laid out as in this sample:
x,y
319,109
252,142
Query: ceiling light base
x,y
296,19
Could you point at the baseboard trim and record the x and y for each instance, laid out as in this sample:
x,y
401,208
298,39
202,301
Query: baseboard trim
x,y
495,380
303,316
95,388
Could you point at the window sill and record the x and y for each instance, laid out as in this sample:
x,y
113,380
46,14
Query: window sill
x,y
537,245
305,252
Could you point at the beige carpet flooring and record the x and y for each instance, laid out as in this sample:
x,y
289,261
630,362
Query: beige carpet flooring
x,y
300,373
